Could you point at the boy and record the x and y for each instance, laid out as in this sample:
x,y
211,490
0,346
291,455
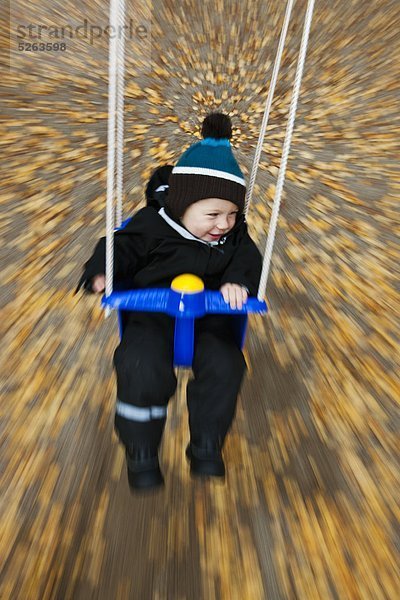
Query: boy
x,y
201,230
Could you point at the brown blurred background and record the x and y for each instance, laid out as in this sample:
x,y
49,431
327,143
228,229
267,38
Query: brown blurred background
x,y
310,506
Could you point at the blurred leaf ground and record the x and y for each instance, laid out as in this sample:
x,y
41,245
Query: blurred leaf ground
x,y
310,509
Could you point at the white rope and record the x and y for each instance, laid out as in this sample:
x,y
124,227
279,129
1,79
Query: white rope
x,y
285,151
112,80
257,155
120,110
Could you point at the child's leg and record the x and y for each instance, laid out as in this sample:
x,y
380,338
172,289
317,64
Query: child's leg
x,y
218,369
145,381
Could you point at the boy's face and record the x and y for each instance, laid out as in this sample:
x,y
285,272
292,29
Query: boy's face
x,y
210,219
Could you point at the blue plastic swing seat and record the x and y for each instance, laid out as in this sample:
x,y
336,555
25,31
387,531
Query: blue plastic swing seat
x,y
186,300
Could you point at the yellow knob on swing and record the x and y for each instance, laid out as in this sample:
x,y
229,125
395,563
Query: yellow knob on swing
x,y
187,284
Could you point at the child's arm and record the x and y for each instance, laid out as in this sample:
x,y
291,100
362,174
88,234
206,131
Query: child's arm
x,y
99,283
130,250
234,294
242,275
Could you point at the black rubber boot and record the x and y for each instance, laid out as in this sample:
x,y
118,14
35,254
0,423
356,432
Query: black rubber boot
x,y
143,468
206,459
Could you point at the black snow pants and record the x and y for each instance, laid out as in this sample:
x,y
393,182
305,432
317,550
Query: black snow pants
x,y
146,379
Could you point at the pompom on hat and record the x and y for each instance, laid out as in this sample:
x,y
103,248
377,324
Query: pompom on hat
x,y
208,169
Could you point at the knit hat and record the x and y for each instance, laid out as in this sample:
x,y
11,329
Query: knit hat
x,y
208,169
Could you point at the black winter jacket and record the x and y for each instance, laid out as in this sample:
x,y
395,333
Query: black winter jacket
x,y
152,249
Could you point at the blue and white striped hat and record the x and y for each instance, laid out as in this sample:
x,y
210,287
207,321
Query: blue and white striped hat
x,y
208,169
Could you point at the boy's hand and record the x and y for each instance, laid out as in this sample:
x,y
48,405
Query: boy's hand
x,y
99,283
234,294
